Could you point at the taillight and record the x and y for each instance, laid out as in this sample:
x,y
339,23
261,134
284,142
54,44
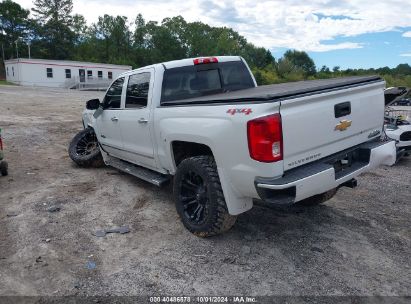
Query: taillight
x,y
205,60
265,139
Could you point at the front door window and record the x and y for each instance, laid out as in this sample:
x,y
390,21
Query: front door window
x,y
112,100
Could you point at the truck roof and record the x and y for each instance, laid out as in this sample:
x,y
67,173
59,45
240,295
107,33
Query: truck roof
x,y
281,91
185,62
190,61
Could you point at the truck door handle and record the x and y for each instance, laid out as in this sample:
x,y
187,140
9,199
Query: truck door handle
x,y
342,109
142,120
114,118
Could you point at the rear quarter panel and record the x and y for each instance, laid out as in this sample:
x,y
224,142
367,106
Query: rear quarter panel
x,y
225,134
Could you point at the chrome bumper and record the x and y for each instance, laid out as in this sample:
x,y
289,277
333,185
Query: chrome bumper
x,y
321,176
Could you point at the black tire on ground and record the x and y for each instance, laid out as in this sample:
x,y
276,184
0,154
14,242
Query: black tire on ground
x,y
84,149
199,197
4,168
318,199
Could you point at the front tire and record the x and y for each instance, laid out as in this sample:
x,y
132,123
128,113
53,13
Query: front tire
x,y
84,149
199,197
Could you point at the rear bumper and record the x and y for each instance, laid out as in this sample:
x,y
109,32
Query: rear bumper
x,y
323,175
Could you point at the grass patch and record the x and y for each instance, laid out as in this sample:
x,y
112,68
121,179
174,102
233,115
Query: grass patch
x,y
5,82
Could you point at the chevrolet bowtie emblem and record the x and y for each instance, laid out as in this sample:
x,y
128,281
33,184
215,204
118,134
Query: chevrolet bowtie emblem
x,y
343,125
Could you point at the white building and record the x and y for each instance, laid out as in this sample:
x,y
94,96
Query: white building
x,y
61,73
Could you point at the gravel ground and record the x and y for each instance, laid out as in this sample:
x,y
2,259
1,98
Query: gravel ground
x,y
358,243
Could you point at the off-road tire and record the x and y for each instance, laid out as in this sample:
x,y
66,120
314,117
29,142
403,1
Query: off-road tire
x,y
216,218
4,168
318,199
92,158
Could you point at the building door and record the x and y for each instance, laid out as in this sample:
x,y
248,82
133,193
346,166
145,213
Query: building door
x,y
82,75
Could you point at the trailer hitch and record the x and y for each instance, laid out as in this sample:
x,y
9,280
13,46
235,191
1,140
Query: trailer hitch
x,y
352,183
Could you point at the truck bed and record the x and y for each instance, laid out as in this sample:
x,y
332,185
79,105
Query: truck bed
x,y
277,92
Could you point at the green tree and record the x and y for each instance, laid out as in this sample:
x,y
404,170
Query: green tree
x,y
79,28
403,69
57,34
198,36
139,32
57,10
14,27
162,44
120,36
54,31
325,69
288,71
102,31
257,56
300,59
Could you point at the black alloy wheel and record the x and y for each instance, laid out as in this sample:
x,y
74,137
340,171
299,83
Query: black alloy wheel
x,y
199,197
84,149
194,197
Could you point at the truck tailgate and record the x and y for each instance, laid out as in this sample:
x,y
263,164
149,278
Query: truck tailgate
x,y
320,124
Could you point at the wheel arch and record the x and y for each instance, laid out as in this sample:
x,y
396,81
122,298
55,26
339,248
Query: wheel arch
x,y
181,150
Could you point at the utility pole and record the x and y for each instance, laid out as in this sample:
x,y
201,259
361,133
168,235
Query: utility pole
x,y
17,48
2,51
28,44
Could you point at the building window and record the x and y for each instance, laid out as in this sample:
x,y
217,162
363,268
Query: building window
x,y
12,69
110,75
100,74
49,73
89,74
68,73
7,71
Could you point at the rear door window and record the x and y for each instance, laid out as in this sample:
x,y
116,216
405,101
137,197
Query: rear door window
x,y
205,79
137,90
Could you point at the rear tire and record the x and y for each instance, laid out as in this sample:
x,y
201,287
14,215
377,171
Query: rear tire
x,y
318,199
4,168
84,149
199,197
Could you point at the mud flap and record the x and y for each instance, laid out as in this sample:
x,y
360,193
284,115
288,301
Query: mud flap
x,y
383,155
236,203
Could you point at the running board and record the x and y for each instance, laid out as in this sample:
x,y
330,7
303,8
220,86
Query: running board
x,y
148,175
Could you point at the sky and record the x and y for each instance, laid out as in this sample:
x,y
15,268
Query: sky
x,y
349,34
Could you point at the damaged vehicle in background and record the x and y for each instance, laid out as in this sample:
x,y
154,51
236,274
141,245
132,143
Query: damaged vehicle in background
x,y
398,121
204,125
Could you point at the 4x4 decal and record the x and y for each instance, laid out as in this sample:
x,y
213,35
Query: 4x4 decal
x,y
245,111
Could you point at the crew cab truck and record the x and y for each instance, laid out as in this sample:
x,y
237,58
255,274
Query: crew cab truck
x,y
204,124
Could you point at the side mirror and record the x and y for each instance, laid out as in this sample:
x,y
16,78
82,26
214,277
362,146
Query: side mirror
x,y
93,104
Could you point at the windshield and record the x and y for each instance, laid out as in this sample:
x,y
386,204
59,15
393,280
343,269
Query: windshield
x,y
201,80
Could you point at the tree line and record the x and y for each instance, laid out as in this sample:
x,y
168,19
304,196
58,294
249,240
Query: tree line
x,y
51,31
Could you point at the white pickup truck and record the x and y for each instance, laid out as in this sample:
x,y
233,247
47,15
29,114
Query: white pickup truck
x,y
204,124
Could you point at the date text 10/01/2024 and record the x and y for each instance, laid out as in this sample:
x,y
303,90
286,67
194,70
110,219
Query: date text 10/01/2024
x,y
203,299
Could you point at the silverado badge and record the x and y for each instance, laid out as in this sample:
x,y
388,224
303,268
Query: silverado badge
x,y
343,125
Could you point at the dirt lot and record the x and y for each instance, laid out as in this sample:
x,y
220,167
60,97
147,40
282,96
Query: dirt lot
x,y
358,243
